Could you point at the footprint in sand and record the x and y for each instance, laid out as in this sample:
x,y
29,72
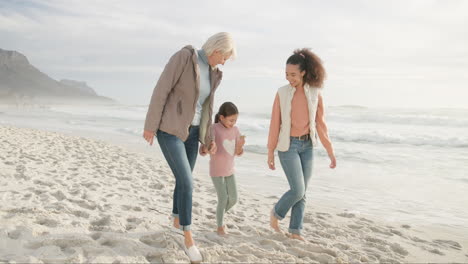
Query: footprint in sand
x,y
434,251
396,232
59,195
84,204
249,230
447,243
397,248
419,240
81,214
109,243
320,257
342,246
380,231
157,240
43,183
15,234
366,220
47,222
126,207
356,227
27,196
347,215
155,257
271,244
96,236
210,216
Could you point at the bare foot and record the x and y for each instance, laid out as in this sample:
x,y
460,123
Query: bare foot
x,y
176,222
296,236
221,231
274,222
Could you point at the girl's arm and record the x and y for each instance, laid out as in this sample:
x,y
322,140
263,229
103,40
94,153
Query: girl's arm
x,y
240,144
204,149
322,131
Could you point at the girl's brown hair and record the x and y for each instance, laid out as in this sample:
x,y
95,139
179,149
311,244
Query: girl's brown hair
x,y
311,64
226,109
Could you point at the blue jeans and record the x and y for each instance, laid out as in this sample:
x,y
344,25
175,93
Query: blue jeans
x,y
297,165
181,157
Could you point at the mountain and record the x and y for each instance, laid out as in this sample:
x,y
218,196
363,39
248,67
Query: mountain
x,y
20,79
82,86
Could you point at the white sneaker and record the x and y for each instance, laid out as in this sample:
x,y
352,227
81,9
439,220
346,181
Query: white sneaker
x,y
193,253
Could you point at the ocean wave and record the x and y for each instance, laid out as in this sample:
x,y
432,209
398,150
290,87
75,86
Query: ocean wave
x,y
418,141
349,155
130,131
458,119
116,112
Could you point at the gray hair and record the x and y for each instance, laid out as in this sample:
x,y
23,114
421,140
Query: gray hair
x,y
222,42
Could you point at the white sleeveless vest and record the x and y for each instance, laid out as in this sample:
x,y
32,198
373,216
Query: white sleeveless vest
x,y
286,94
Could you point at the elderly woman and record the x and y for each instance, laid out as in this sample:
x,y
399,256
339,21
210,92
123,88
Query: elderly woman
x,y
179,114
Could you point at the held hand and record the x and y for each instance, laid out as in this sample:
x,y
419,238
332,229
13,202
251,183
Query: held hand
x,y
332,160
212,148
203,151
271,160
149,136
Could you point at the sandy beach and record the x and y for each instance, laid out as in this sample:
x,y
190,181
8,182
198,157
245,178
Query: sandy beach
x,y
68,199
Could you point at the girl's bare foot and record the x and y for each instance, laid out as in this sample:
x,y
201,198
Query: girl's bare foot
x,y
221,231
274,222
176,222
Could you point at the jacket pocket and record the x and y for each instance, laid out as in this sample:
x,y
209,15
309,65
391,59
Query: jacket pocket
x,y
179,107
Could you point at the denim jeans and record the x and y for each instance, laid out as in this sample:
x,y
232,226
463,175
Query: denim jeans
x,y
181,157
297,165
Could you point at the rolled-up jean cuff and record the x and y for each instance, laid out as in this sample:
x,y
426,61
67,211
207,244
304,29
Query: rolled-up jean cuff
x,y
295,231
185,228
175,215
277,216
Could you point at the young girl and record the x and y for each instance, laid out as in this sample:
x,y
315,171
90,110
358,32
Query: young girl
x,y
229,143
296,120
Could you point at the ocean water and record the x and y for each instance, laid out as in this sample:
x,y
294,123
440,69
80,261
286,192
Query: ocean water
x,y
401,165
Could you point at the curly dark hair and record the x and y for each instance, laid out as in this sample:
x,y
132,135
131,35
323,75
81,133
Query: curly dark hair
x,y
311,64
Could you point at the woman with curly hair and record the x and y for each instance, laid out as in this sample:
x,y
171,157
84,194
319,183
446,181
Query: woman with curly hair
x,y
296,121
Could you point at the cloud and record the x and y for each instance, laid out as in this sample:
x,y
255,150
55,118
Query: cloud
x,y
121,44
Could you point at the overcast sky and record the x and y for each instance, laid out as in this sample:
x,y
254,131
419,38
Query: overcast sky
x,y
409,53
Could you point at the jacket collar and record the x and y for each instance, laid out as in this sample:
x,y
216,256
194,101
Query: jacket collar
x,y
202,56
215,74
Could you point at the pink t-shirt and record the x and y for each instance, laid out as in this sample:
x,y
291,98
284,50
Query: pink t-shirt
x,y
222,163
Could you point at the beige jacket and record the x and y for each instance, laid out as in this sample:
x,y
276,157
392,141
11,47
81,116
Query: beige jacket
x,y
172,106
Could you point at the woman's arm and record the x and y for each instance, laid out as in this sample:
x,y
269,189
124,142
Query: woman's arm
x,y
273,133
164,86
275,124
322,131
